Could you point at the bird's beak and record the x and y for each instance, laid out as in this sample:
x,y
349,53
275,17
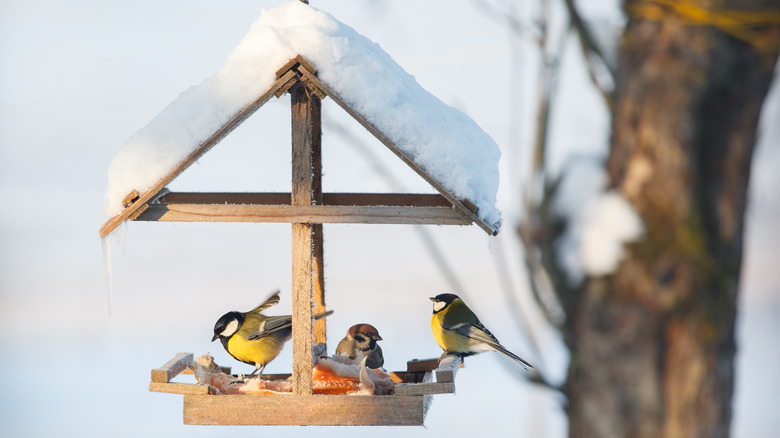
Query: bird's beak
x,y
377,337
216,335
432,298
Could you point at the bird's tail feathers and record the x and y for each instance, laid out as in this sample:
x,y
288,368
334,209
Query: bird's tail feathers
x,y
500,348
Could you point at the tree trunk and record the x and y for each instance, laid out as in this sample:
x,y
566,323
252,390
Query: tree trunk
x,y
652,346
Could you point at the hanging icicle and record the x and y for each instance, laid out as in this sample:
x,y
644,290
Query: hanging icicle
x,y
106,247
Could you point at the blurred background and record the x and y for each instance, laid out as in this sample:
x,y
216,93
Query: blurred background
x,y
80,77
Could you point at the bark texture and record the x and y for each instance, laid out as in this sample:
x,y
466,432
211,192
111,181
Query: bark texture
x,y
653,345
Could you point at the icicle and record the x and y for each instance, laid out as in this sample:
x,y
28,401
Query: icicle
x,y
106,246
123,232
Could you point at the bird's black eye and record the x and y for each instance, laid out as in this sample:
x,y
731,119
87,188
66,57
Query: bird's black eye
x,y
360,338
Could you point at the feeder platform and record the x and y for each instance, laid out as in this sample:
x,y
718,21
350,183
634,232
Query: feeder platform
x,y
406,407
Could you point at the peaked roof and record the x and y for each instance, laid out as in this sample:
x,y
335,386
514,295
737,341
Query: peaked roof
x,y
440,143
294,71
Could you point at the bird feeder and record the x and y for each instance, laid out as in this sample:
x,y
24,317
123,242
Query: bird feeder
x,y
306,208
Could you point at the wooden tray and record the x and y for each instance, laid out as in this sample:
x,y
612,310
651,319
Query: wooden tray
x,y
407,407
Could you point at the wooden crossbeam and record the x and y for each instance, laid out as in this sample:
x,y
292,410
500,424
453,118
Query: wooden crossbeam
x,y
296,214
370,208
276,198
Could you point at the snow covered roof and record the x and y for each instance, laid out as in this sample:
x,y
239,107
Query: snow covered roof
x,y
445,143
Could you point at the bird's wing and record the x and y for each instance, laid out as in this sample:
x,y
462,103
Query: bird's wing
x,y
346,348
270,325
375,358
271,301
482,335
477,332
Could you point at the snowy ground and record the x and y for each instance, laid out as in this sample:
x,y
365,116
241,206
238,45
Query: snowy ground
x,y
80,77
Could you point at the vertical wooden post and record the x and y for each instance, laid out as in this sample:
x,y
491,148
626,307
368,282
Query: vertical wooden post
x,y
318,252
307,274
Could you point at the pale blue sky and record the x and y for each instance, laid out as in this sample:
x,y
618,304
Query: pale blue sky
x,y
79,77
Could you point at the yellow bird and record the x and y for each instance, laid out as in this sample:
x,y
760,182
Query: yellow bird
x,y
457,330
254,338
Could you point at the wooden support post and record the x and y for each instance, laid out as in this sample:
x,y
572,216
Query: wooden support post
x,y
307,275
318,251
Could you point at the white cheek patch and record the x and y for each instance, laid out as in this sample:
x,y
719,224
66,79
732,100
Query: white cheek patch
x,y
438,305
231,329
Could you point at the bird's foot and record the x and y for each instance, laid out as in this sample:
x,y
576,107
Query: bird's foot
x,y
460,357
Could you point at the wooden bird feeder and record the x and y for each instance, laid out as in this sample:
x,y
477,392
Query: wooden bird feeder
x,y
306,208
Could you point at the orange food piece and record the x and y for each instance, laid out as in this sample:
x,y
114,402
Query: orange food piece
x,y
324,381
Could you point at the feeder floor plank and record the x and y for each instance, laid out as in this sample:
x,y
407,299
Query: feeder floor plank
x,y
448,366
412,389
417,365
181,388
321,410
170,369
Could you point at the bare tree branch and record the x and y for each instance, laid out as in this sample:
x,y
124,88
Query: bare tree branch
x,y
511,22
590,50
586,37
538,232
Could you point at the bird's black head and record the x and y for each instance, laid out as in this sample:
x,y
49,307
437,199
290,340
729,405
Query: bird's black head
x,y
441,301
227,325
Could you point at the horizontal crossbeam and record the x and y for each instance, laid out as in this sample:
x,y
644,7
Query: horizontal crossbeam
x,y
311,214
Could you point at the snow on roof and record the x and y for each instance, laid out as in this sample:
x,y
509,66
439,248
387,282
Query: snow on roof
x,y
446,143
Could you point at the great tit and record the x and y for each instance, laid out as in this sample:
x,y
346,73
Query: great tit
x,y
362,337
254,338
457,329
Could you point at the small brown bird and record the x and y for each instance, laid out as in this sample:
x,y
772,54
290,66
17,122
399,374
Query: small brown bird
x,y
362,337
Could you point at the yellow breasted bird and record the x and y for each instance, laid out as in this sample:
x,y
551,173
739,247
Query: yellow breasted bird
x,y
457,329
362,337
254,338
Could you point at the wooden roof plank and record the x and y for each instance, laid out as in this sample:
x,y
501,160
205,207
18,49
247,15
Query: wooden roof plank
x,y
457,203
292,63
215,138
